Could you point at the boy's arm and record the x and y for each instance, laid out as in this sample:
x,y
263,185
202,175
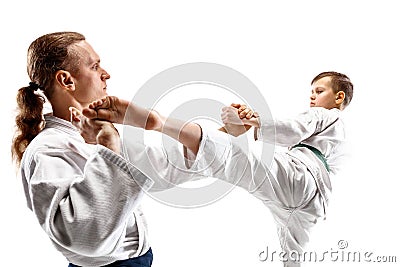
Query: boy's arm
x,y
290,132
281,132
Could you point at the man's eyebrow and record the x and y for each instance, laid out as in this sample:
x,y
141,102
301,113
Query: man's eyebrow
x,y
93,61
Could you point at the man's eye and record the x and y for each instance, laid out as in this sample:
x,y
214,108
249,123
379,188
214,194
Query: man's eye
x,y
95,67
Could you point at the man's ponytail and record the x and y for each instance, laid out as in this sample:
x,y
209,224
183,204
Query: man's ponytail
x,y
29,120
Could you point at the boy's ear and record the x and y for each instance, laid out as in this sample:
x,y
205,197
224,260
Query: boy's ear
x,y
340,97
65,80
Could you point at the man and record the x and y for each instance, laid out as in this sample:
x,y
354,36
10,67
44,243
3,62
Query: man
x,y
85,195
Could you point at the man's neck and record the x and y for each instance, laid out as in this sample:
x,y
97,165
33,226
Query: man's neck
x,y
61,104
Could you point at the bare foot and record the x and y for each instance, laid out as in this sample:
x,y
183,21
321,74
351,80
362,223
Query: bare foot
x,y
114,109
109,108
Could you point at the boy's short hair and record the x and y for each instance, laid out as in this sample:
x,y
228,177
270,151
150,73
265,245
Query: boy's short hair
x,y
339,82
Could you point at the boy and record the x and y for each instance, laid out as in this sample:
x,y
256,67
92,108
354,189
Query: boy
x,y
297,186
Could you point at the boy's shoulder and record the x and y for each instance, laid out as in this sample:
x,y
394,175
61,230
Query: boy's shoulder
x,y
324,110
322,113
324,117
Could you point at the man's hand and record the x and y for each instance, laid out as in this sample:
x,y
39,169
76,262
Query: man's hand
x,y
96,131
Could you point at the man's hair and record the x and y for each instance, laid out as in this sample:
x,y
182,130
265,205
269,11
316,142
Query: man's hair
x,y
46,55
339,82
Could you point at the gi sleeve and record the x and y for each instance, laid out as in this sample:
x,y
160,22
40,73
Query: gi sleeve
x,y
292,131
83,203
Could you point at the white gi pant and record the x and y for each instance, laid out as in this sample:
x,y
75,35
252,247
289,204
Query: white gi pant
x,y
288,187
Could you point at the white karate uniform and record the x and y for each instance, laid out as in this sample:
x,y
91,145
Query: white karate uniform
x,y
296,186
87,198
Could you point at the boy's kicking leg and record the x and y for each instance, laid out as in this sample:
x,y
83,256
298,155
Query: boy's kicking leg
x,y
286,187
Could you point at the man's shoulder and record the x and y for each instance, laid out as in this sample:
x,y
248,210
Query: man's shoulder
x,y
52,139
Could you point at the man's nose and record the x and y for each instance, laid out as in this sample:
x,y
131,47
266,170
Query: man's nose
x,y
105,76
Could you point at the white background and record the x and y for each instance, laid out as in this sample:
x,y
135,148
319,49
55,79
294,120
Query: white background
x,y
280,46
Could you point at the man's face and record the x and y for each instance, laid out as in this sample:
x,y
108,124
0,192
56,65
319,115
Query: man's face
x,y
322,94
90,79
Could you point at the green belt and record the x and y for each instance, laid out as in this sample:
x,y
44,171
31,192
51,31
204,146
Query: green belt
x,y
317,153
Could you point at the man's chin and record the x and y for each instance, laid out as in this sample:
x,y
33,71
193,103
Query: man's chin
x,y
104,94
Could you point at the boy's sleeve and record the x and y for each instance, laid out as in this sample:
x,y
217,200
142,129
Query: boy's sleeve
x,y
292,131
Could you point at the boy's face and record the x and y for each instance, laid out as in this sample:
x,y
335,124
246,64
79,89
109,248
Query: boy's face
x,y
322,94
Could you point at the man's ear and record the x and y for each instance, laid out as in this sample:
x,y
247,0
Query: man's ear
x,y
340,97
65,80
